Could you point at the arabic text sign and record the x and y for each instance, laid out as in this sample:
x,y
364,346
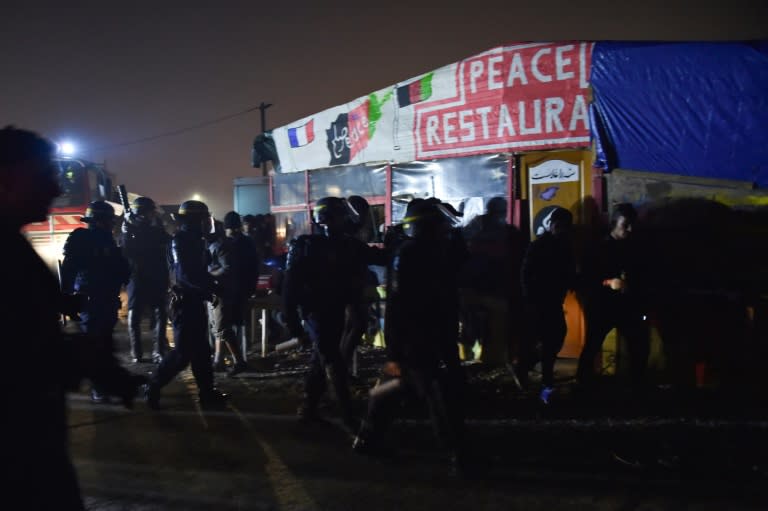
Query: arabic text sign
x,y
554,171
522,97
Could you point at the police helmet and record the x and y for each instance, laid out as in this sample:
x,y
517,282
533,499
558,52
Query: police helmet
x,y
193,208
428,217
334,210
420,215
97,211
360,205
195,213
447,215
142,205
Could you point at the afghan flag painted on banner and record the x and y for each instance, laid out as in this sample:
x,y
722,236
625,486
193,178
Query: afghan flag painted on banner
x,y
374,110
415,92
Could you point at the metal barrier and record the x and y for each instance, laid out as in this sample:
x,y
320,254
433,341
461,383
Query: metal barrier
x,y
264,303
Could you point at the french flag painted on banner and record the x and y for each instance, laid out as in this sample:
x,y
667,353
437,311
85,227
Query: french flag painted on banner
x,y
302,135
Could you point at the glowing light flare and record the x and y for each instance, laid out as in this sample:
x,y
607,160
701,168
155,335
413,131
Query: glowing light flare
x,y
67,148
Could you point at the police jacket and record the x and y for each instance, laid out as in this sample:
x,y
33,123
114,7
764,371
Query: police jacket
x,y
146,248
235,266
93,264
325,274
422,310
548,270
190,259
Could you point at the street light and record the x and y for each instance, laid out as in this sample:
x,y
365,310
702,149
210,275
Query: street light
x,y
67,148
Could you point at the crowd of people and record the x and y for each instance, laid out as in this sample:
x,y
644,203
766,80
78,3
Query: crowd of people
x,y
201,273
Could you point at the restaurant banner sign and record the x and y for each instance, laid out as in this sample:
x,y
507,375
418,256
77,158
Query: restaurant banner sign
x,y
512,98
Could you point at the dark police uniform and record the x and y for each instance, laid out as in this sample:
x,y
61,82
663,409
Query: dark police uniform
x,y
358,311
146,247
322,276
193,285
94,266
421,330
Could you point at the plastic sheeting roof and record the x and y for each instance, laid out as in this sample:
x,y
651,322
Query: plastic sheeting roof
x,y
697,109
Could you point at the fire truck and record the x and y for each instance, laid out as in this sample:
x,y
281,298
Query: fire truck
x,y
81,181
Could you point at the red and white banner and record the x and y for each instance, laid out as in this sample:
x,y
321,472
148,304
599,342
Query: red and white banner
x,y
521,97
511,98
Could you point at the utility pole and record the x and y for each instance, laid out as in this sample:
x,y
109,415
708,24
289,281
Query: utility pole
x,y
263,109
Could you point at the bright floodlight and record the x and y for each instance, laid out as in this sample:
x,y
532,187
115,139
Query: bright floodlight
x,y
196,196
67,148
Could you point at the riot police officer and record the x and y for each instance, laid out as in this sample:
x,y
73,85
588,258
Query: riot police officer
x,y
357,313
321,278
145,245
95,268
421,329
193,286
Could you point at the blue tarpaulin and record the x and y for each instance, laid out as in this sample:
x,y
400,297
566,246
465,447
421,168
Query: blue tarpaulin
x,y
693,109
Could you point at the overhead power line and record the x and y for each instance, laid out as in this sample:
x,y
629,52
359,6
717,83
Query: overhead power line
x,y
179,131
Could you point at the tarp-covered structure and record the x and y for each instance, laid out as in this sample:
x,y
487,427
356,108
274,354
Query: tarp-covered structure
x,y
691,109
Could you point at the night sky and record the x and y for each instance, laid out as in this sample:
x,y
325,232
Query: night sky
x,y
104,75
